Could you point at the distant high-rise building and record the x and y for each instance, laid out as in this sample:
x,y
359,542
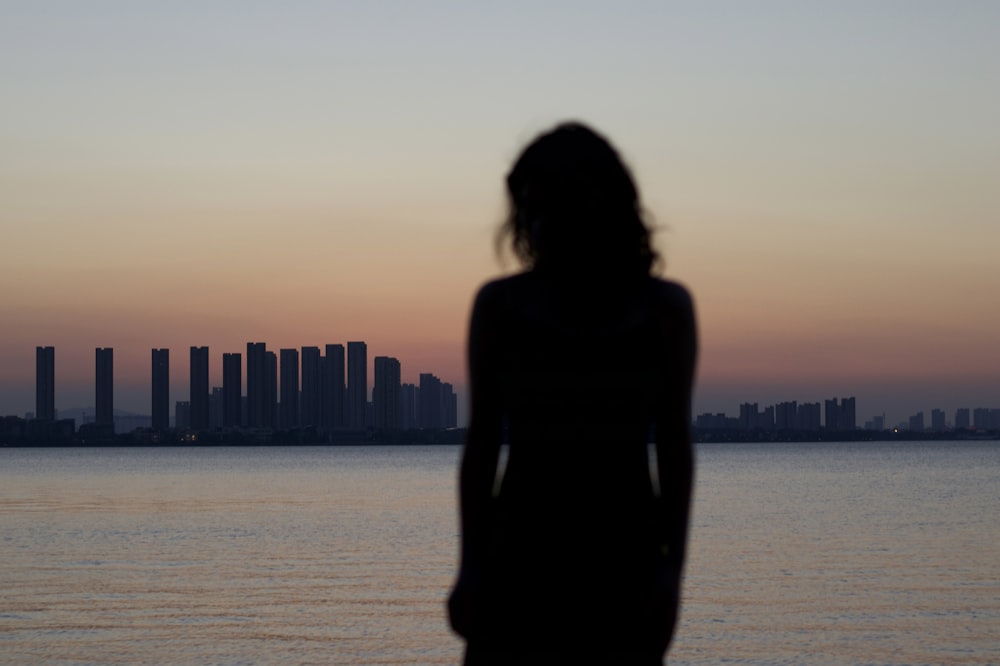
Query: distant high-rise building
x,y
357,384
409,406
386,393
981,418
232,388
807,416
105,387
877,423
161,389
199,388
751,418
216,405
832,421
766,422
937,420
785,415
709,421
917,422
449,403
45,383
332,387
256,385
431,402
270,389
842,416
289,406
962,421
182,415
310,412
848,414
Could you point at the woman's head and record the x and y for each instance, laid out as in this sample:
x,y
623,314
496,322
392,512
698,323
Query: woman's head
x,y
573,206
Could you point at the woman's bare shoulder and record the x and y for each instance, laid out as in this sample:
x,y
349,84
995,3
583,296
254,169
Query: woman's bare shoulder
x,y
500,291
670,294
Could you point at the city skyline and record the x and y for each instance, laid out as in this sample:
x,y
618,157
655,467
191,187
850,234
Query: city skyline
x,y
383,409
330,394
839,415
821,176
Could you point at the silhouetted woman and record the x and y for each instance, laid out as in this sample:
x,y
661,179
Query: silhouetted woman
x,y
572,550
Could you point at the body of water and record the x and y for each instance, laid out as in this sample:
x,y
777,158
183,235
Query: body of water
x,y
826,553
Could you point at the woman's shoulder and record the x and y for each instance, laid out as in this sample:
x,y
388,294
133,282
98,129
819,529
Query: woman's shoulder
x,y
499,291
526,287
669,293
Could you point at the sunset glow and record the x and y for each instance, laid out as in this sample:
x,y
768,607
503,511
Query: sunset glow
x,y
823,177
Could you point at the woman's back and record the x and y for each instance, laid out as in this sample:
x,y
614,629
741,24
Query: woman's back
x,y
582,373
582,376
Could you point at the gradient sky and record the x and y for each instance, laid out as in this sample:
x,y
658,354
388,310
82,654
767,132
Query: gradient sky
x,y
825,176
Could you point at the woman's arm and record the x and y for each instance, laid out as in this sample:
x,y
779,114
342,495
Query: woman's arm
x,y
674,452
483,440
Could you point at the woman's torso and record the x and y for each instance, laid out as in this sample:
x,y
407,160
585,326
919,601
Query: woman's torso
x,y
582,373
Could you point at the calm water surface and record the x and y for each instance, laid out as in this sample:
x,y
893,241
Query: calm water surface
x,y
801,554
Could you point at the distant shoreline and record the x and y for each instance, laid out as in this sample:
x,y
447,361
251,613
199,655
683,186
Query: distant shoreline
x,y
777,436
63,438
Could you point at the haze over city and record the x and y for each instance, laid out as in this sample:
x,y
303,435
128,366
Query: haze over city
x,y
823,178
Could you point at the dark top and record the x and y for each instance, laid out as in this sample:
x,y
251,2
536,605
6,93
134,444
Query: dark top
x,y
573,534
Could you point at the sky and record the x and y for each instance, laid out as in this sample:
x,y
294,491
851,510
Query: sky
x,y
822,176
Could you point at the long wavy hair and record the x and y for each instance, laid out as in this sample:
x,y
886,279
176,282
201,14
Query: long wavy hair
x,y
573,207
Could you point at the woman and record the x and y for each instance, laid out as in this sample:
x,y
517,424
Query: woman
x,y
572,549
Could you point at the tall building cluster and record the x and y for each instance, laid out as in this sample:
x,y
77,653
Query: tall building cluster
x,y
792,415
840,415
290,389
328,389
979,418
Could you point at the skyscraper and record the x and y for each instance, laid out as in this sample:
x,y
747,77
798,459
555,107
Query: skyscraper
x,y
45,383
199,388
161,389
182,415
333,387
309,406
104,398
232,387
937,420
785,415
357,384
256,384
842,416
449,405
807,416
832,415
216,405
289,406
386,393
270,389
431,404
848,414
749,415
410,406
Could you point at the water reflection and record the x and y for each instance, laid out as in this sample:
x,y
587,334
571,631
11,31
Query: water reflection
x,y
818,554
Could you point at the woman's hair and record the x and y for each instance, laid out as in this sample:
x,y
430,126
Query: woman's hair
x,y
573,204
